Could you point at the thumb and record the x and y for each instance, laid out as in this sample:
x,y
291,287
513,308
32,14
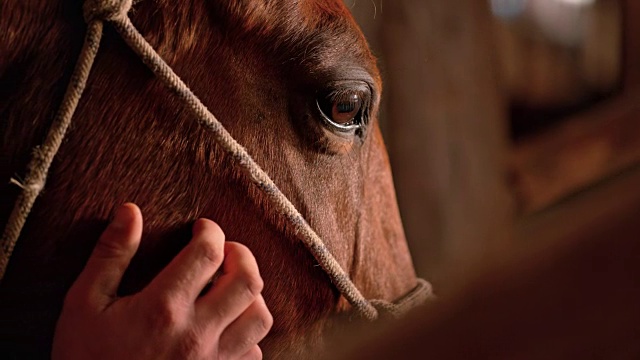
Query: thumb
x,y
103,272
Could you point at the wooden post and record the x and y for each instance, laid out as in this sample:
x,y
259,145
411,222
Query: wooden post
x,y
447,133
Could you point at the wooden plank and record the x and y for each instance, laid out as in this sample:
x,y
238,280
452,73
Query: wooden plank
x,y
447,133
577,153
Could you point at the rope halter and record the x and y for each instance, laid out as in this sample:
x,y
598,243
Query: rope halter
x,y
115,12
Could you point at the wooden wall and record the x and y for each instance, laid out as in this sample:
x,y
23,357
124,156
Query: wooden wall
x,y
553,216
462,182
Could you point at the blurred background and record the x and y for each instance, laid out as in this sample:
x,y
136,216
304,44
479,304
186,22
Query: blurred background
x,y
496,112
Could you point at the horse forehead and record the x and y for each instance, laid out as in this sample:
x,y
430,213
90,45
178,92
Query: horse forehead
x,y
266,12
322,32
293,20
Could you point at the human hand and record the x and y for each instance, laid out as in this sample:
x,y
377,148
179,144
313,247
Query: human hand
x,y
168,319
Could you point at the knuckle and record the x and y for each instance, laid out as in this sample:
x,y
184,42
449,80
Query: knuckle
x,y
218,313
261,326
246,337
265,321
251,281
210,251
262,319
248,273
165,315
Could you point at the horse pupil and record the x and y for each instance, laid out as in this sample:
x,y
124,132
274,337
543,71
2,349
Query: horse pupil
x,y
346,107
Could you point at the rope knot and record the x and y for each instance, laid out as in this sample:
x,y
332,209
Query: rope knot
x,y
105,9
34,186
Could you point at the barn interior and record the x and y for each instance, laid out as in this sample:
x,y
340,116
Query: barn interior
x,y
513,128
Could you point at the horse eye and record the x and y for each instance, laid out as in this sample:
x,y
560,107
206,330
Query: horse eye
x,y
342,112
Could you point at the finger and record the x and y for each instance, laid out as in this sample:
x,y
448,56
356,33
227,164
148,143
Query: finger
x,y
254,354
247,330
110,258
190,271
237,288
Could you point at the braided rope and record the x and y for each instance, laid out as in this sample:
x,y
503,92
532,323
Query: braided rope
x,y
416,297
38,167
115,11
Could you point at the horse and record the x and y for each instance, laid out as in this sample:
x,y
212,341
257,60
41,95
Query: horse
x,y
293,81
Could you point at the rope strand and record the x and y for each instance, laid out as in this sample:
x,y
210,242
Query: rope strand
x,y
42,158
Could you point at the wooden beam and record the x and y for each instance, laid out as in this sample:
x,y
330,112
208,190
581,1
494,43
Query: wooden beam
x,y
579,152
447,130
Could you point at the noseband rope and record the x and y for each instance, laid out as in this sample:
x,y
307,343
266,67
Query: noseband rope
x,y
115,12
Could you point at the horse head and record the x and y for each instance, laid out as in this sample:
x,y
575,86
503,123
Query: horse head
x,y
293,81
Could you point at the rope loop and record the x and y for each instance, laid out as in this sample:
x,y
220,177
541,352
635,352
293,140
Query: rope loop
x,y
106,9
386,309
421,294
